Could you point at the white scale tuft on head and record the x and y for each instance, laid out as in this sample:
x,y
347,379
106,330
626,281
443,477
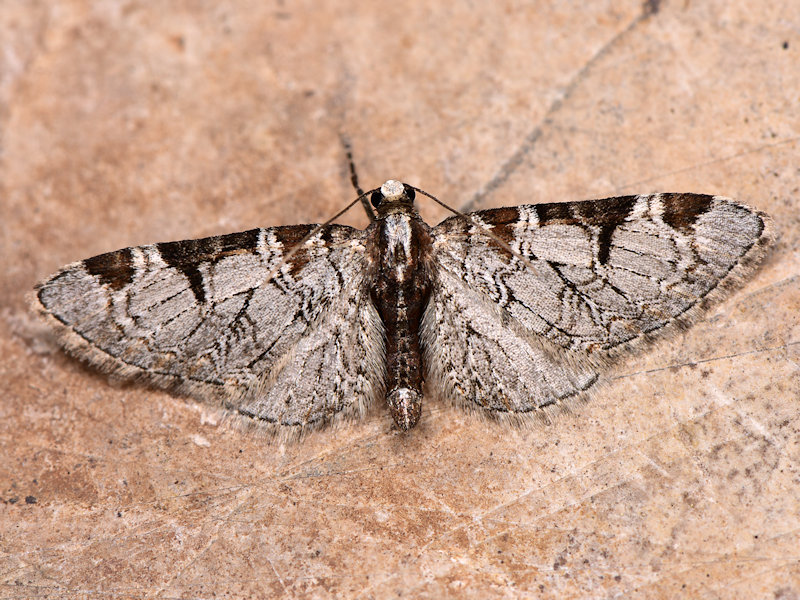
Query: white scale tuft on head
x,y
392,189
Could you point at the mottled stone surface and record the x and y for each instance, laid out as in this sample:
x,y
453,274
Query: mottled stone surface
x,y
123,123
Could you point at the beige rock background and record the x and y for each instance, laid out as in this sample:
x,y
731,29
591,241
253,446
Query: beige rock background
x,y
125,123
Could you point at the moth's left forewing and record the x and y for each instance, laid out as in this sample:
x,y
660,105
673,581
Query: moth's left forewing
x,y
272,324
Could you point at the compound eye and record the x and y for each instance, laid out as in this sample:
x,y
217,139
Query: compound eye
x,y
410,193
376,199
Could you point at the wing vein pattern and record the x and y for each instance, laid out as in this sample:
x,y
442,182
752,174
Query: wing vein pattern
x,y
516,332
227,319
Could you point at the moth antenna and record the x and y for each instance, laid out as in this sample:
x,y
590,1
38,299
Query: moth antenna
x,y
485,229
348,149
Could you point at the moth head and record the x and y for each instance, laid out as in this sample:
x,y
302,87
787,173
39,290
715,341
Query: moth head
x,y
392,194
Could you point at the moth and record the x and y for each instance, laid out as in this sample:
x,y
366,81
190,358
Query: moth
x,y
508,311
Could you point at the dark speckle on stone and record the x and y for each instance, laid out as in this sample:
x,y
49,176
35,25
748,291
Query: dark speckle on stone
x,y
651,7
